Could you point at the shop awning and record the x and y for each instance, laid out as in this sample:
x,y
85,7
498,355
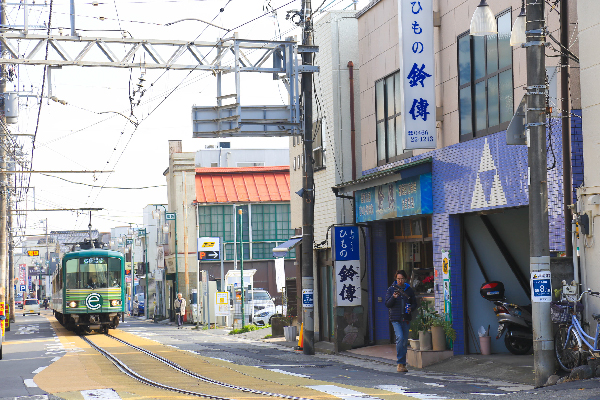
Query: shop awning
x,y
385,176
282,249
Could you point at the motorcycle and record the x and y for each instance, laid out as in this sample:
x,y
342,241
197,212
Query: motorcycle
x,y
514,320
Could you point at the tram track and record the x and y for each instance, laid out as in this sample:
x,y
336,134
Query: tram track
x,y
127,370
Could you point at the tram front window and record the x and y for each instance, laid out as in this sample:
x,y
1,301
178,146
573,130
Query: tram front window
x,y
94,272
114,272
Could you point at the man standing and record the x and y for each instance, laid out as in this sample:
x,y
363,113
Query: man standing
x,y
400,300
179,309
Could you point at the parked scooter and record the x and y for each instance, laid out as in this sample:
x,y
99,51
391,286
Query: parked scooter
x,y
513,319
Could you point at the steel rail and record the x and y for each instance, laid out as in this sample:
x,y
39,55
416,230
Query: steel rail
x,y
131,373
181,369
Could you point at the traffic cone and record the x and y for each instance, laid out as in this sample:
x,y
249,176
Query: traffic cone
x,y
300,338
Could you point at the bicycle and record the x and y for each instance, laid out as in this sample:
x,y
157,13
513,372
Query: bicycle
x,y
571,343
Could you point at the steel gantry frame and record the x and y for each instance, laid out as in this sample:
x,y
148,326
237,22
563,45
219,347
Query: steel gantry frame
x,y
220,121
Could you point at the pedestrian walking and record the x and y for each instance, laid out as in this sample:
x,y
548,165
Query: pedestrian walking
x,y
179,309
400,301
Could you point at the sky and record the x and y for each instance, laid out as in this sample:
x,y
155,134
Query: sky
x,y
89,132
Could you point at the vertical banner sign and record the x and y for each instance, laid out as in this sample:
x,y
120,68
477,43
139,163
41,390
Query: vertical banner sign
x,y
2,321
541,287
347,265
417,72
280,273
446,277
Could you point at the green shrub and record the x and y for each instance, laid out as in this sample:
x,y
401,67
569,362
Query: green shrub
x,y
248,328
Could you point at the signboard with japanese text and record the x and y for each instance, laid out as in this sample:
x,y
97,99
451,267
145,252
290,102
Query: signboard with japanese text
x,y
170,216
347,265
222,304
33,253
347,278
345,243
541,287
307,298
403,198
415,19
208,248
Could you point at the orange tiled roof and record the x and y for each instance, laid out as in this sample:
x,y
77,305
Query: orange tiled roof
x,y
237,185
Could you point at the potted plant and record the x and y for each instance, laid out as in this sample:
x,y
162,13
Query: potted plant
x,y
424,318
413,334
438,338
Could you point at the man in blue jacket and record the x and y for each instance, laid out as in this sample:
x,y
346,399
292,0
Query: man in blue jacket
x,y
400,300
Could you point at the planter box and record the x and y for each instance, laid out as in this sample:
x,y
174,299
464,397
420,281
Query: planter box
x,y
277,324
420,359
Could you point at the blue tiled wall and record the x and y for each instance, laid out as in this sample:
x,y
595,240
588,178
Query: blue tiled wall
x,y
455,171
576,151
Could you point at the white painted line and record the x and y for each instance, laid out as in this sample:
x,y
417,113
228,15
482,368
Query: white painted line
x,y
222,359
433,384
40,369
287,373
29,383
491,394
342,393
102,394
55,359
404,390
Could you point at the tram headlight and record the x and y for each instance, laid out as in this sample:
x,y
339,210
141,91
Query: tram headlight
x,y
114,303
72,304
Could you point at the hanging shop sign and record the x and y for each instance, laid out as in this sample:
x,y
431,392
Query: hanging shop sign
x,y
415,19
347,265
410,196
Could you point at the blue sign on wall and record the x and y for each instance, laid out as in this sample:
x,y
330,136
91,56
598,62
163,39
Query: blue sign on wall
x,y
411,196
346,244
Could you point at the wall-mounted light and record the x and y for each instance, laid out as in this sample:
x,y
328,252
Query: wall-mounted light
x,y
300,192
483,21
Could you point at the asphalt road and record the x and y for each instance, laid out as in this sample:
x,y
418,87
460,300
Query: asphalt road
x,y
32,345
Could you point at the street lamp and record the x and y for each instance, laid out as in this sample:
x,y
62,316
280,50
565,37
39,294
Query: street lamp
x,y
518,36
483,21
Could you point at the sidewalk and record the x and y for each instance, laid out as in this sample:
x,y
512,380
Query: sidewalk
x,y
500,367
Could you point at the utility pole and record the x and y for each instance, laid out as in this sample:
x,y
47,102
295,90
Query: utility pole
x,y
539,251
308,196
11,264
3,184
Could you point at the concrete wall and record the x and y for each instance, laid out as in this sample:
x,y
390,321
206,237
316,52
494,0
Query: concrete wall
x,y
227,157
181,192
589,32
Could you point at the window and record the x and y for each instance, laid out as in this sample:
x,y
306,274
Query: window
x,y
387,112
485,92
269,226
319,145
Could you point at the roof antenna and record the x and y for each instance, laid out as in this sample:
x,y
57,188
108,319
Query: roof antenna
x,y
90,229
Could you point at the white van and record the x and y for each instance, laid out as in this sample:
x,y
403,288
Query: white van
x,y
31,306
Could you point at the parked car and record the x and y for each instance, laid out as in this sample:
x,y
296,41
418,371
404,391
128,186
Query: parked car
x,y
261,299
138,308
32,306
19,301
264,316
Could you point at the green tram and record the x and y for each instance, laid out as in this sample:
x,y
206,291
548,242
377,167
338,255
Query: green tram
x,y
89,290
